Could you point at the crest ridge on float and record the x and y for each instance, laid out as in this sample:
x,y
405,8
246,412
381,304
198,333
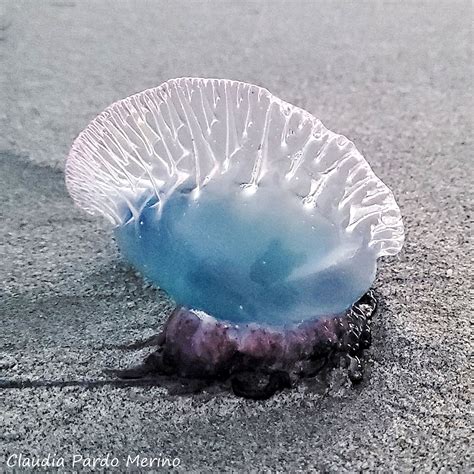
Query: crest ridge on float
x,y
191,132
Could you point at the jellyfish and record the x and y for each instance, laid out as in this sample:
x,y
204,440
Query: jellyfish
x,y
261,224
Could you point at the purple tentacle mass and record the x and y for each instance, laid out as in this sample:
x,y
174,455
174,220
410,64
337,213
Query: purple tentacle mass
x,y
195,345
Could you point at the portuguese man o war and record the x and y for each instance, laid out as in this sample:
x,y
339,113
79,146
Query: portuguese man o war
x,y
261,224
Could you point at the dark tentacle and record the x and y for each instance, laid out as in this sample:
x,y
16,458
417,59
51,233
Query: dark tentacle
x,y
243,387
153,364
355,369
153,341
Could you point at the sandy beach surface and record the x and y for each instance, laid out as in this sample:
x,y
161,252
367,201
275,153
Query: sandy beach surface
x,y
395,78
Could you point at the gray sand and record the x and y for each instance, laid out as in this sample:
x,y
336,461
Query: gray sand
x,y
394,78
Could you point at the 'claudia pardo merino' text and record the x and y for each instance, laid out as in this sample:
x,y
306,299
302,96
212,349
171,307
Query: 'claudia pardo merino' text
x,y
79,460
